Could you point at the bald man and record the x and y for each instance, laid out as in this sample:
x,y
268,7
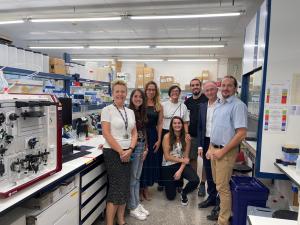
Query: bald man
x,y
206,111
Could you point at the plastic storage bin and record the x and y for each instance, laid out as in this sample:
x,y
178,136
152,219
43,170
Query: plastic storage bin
x,y
246,191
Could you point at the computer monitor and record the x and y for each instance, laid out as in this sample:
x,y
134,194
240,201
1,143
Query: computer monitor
x,y
66,110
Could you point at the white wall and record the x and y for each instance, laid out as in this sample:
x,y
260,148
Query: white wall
x,y
182,71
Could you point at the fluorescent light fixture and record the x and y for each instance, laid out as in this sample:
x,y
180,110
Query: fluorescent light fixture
x,y
121,47
192,60
190,46
89,19
11,22
56,47
93,60
154,17
140,60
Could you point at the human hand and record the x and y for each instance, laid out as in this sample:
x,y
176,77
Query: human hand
x,y
187,137
200,152
177,175
125,156
186,160
156,146
218,154
145,153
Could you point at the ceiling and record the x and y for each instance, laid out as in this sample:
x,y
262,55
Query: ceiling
x,y
223,30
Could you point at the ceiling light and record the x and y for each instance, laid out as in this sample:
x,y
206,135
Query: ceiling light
x,y
56,47
190,46
120,47
93,60
90,19
192,60
11,22
154,17
140,60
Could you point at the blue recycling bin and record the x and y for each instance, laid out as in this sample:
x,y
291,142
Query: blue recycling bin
x,y
246,191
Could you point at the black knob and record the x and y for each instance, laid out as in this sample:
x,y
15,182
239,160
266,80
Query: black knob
x,y
2,118
13,116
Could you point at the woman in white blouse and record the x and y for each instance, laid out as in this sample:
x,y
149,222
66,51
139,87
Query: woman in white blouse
x,y
120,134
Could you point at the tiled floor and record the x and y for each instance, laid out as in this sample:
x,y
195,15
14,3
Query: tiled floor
x,y
164,212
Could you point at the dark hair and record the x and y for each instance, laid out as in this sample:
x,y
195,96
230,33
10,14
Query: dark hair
x,y
235,83
173,136
172,88
140,113
197,79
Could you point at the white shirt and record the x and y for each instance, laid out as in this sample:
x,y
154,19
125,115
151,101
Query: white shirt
x,y
174,109
209,116
176,152
117,126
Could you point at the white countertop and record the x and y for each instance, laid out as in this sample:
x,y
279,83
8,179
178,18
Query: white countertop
x,y
290,171
67,168
258,220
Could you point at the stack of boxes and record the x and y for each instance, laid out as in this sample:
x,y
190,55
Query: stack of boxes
x,y
57,66
143,75
167,81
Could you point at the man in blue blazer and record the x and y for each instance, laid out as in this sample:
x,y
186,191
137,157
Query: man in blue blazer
x,y
204,128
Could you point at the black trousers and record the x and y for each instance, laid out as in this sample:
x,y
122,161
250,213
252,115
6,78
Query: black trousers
x,y
171,184
211,186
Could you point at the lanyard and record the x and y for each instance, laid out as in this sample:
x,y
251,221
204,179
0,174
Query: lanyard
x,y
124,119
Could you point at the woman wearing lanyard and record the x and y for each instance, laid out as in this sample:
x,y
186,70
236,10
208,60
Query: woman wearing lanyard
x,y
120,134
138,105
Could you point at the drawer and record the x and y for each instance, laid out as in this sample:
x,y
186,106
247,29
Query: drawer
x,y
87,208
91,175
95,214
93,188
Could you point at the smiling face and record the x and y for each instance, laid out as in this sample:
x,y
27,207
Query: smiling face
x,y
177,125
174,94
195,87
151,91
228,88
137,99
119,94
210,90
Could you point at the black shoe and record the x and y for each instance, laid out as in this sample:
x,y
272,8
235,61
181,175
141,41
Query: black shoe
x,y
201,191
184,200
213,216
206,204
160,188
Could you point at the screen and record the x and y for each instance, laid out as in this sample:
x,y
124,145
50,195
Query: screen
x,y
66,110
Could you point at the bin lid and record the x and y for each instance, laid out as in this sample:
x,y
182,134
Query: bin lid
x,y
239,183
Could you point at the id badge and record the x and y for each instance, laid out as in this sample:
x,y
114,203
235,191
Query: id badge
x,y
126,136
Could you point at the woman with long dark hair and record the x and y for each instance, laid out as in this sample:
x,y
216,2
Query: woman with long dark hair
x,y
175,163
152,163
138,105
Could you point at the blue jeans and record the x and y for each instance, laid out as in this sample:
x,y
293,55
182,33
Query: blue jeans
x,y
136,170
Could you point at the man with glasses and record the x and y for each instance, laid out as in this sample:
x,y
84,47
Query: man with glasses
x,y
193,104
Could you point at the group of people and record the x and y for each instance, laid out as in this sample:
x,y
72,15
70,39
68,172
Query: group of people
x,y
152,142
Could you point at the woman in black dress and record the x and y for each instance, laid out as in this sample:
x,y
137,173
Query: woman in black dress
x,y
151,166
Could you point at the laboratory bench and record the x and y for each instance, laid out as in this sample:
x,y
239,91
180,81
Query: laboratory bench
x,y
87,199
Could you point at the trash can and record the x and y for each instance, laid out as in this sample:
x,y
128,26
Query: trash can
x,y
246,191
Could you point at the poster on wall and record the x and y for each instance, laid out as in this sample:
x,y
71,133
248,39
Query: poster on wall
x,y
275,119
277,93
295,92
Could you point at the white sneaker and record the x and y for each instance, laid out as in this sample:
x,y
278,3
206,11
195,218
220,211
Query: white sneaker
x,y
143,210
136,213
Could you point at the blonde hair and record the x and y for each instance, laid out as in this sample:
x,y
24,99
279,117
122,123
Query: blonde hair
x,y
118,82
156,99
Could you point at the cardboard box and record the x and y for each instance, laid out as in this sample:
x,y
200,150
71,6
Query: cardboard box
x,y
57,66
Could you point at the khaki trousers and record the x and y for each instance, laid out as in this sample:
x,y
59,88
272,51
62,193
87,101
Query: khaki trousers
x,y
222,171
